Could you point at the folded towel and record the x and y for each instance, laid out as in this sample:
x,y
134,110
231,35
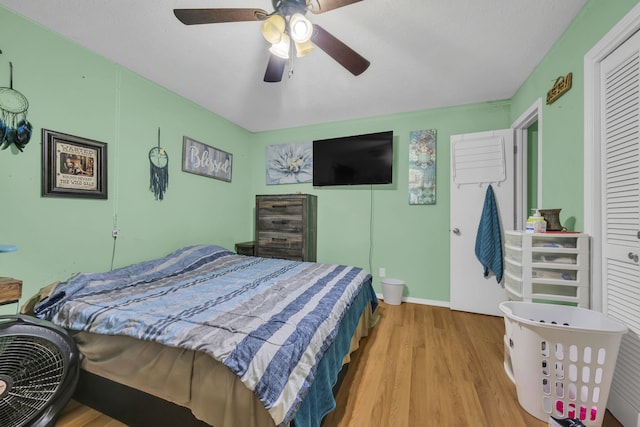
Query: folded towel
x,y
489,237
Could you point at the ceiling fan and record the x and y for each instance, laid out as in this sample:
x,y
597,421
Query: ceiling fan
x,y
285,28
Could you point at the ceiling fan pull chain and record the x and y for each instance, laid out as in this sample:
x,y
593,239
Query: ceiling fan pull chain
x,y
290,73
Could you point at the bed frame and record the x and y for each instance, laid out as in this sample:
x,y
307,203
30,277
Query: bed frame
x,y
130,406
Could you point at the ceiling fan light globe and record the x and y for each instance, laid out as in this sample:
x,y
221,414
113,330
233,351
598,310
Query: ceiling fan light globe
x,y
281,49
300,28
273,29
304,48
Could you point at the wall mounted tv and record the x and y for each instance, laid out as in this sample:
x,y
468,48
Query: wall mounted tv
x,y
353,160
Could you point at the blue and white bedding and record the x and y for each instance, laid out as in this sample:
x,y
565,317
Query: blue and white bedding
x,y
269,321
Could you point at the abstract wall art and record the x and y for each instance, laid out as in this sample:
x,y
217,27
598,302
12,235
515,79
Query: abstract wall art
x,y
422,167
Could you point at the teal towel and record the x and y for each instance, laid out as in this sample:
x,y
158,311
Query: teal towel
x,y
489,237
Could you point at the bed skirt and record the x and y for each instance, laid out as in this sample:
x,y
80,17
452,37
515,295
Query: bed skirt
x,y
124,377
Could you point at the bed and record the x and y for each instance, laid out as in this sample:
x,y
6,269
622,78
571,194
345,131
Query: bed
x,y
228,339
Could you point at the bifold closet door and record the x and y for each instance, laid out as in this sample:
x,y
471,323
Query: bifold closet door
x,y
620,126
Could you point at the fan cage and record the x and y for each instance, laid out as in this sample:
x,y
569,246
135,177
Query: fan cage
x,y
38,368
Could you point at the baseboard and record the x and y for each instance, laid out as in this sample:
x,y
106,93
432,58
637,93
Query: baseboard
x,y
421,301
622,410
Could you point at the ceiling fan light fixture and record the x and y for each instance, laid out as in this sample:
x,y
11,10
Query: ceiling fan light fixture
x,y
300,28
304,48
281,49
273,28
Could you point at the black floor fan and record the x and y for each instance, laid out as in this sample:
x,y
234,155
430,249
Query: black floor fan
x,y
38,371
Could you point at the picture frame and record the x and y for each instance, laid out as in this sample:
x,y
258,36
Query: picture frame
x,y
205,160
422,167
73,166
289,163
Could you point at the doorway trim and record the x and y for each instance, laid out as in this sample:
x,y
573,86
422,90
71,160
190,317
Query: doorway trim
x,y
520,126
624,29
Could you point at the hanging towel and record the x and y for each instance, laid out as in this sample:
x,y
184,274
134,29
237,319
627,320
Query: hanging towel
x,y
489,237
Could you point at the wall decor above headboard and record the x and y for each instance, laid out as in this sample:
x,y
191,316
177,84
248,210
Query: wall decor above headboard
x,y
14,127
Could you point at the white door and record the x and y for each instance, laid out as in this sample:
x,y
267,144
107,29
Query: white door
x,y
478,160
620,151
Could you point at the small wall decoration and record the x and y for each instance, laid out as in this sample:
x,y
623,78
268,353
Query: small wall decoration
x,y
560,87
73,166
422,167
202,159
14,126
289,163
159,170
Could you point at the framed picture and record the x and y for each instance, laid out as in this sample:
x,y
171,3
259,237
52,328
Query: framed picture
x,y
422,167
202,159
290,163
73,166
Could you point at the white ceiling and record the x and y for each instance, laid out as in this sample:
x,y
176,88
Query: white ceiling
x,y
424,54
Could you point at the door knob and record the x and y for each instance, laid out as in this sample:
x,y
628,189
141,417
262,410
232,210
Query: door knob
x,y
633,256
456,231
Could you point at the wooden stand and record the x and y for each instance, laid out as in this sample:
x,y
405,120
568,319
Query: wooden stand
x,y
10,290
245,248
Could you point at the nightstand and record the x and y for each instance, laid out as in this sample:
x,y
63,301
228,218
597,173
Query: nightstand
x,y
10,290
245,248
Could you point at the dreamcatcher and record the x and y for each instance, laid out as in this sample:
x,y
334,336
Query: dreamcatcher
x,y
159,170
14,127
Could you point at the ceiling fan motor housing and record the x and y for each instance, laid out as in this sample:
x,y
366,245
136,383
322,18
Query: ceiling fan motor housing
x,y
289,7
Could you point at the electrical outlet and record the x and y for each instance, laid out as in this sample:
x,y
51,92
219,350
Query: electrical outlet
x,y
115,232
382,272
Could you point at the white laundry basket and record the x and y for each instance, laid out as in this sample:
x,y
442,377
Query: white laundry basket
x,y
562,359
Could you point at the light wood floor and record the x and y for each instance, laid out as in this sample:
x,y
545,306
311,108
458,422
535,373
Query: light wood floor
x,y
421,366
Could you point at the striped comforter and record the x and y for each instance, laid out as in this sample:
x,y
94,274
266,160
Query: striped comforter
x,y
269,321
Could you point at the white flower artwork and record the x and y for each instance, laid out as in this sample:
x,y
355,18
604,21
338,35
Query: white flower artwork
x,y
289,163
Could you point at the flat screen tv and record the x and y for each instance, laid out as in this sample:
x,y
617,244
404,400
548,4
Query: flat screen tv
x,y
353,160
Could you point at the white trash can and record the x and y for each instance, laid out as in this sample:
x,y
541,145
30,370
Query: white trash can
x,y
392,291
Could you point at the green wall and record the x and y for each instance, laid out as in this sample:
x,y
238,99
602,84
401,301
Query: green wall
x,y
74,91
374,226
563,121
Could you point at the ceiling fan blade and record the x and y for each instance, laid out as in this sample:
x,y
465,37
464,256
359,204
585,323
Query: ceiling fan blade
x,y
216,16
327,5
343,54
275,69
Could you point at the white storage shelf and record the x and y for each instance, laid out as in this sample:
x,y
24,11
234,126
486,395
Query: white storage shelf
x,y
547,267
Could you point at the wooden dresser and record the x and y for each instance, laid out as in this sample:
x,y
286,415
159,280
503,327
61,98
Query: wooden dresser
x,y
286,226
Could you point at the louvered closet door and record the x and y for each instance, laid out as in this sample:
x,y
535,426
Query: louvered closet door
x,y
621,218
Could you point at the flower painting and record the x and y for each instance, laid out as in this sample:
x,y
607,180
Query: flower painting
x,y
422,167
290,163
